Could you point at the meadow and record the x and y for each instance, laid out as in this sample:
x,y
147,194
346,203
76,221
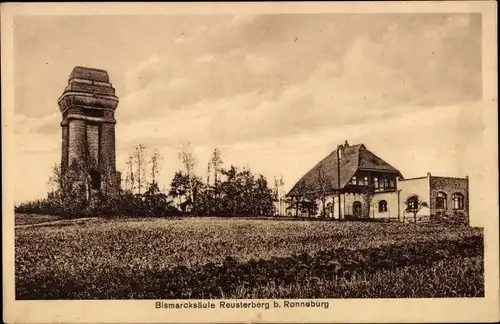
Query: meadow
x,y
245,258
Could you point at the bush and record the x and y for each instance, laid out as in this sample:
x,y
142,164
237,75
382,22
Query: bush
x,y
149,204
455,218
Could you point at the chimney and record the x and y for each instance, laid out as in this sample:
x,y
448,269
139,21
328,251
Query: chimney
x,y
346,144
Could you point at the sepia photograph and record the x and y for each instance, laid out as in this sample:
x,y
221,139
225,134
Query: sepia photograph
x,y
250,160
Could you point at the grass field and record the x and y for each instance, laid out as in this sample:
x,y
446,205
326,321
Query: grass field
x,y
214,258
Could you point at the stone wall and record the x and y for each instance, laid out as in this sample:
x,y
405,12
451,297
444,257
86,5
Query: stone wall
x,y
449,186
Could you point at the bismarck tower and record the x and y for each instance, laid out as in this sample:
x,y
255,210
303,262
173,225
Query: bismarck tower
x,y
88,127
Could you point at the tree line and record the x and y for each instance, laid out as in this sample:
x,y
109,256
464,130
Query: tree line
x,y
228,191
231,191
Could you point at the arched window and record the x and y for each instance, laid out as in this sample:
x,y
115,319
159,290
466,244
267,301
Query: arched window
x,y
356,208
441,200
382,206
330,208
458,201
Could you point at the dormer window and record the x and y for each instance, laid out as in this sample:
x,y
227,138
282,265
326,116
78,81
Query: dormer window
x,y
353,180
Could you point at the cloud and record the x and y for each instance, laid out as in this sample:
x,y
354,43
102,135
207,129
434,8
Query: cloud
x,y
280,82
257,63
241,19
296,86
181,39
205,58
45,125
281,88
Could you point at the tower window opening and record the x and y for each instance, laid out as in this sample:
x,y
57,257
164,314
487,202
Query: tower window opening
x,y
95,112
95,177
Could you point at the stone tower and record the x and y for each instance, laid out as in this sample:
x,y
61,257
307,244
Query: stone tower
x,y
88,106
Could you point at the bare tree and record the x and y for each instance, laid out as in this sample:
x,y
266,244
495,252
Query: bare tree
x,y
276,195
56,179
156,158
129,179
368,193
139,157
209,170
299,196
73,186
414,204
189,162
280,185
216,162
324,187
83,174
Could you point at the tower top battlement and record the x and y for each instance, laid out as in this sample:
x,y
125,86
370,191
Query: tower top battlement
x,y
88,88
87,73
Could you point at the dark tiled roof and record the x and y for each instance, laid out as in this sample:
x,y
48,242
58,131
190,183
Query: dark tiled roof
x,y
355,158
369,161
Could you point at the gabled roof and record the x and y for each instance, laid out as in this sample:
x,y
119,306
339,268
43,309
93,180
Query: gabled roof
x,y
354,158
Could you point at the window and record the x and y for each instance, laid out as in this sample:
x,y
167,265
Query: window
x,y
353,180
356,208
375,182
441,200
382,206
365,181
384,183
458,201
95,112
392,184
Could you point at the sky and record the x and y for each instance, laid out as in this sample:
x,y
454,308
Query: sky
x,y
274,92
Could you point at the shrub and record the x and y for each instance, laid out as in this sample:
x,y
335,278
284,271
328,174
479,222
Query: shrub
x,y
147,204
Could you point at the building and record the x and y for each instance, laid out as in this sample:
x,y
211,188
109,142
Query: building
x,y
88,106
447,197
354,183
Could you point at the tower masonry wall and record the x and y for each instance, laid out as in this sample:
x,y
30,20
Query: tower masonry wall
x,y
93,142
64,147
77,140
108,154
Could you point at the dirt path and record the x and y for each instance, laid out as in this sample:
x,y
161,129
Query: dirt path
x,y
60,222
